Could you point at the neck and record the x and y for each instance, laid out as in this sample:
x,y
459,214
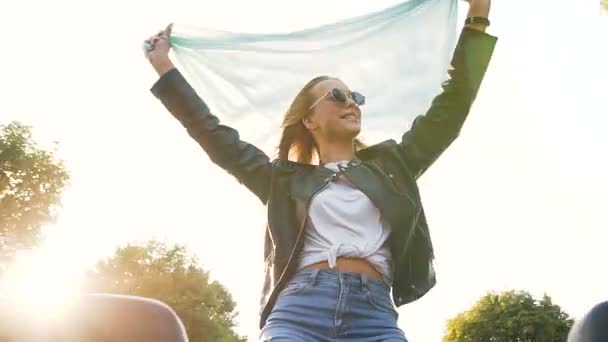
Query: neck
x,y
336,151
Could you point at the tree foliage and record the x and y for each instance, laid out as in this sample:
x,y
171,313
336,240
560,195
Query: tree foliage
x,y
171,275
31,182
512,316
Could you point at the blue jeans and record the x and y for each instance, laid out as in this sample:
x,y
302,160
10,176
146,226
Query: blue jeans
x,y
328,306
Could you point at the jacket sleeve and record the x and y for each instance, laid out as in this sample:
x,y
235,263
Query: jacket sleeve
x,y
222,144
432,133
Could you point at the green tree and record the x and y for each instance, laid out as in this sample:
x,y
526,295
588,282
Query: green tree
x,y
173,276
604,4
31,181
512,316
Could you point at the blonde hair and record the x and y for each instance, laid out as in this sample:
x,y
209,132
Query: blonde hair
x,y
296,140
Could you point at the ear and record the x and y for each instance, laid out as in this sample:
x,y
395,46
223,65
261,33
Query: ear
x,y
309,123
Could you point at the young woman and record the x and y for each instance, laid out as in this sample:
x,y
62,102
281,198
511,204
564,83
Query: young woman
x,y
343,232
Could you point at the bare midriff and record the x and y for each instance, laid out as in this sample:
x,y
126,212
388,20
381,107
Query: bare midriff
x,y
356,265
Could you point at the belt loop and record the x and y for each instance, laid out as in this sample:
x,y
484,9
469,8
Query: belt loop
x,y
364,282
312,279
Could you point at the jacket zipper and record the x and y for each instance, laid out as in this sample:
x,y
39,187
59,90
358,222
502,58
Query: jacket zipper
x,y
327,181
416,226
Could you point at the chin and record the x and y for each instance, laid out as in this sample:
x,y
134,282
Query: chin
x,y
355,130
347,131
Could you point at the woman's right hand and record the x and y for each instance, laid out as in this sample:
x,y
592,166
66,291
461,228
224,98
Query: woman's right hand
x,y
156,50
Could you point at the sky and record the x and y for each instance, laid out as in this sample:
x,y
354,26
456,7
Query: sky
x,y
517,202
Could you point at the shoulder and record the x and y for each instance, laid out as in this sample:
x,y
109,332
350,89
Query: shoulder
x,y
288,166
379,150
388,156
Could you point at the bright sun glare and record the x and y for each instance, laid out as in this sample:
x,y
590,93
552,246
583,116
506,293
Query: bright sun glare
x,y
38,286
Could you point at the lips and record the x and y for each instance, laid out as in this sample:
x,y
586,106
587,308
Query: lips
x,y
348,115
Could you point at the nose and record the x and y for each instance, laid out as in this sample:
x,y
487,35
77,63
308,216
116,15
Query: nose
x,y
350,102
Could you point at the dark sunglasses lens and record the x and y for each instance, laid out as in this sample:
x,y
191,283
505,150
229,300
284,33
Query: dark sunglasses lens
x,y
358,98
338,95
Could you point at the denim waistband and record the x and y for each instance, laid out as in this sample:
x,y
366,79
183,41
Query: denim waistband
x,y
316,276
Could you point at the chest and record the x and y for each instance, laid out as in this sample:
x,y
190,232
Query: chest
x,y
341,201
362,187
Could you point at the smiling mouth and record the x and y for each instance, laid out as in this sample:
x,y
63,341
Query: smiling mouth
x,y
350,115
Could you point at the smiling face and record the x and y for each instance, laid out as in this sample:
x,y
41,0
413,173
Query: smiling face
x,y
330,119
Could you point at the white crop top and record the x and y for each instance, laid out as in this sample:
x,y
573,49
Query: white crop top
x,y
343,221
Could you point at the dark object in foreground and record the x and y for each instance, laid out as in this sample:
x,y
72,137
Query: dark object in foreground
x,y
593,327
99,317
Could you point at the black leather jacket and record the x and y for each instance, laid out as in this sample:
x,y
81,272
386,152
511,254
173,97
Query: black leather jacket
x,y
385,172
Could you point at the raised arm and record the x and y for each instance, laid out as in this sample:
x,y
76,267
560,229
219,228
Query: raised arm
x,y
433,132
222,144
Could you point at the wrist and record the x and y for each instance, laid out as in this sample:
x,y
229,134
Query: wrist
x,y
162,65
481,9
477,23
478,27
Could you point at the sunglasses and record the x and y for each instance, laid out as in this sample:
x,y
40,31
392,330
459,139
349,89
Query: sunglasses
x,y
339,95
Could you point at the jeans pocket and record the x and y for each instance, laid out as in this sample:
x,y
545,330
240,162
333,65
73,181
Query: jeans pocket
x,y
294,287
381,302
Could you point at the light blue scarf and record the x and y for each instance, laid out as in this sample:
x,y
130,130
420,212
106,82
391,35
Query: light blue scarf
x,y
397,58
